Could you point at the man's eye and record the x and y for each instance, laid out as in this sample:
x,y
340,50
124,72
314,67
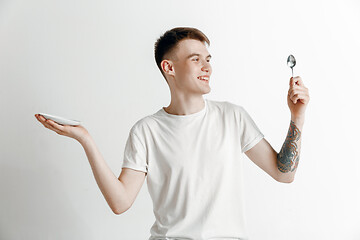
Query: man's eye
x,y
196,59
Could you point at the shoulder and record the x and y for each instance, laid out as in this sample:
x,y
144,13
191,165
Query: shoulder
x,y
221,105
235,106
141,126
236,111
227,106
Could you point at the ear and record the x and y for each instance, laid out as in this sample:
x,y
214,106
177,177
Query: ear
x,y
168,67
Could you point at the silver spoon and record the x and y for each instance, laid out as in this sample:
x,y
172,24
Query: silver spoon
x,y
291,62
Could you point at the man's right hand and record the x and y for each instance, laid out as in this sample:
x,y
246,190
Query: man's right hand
x,y
78,132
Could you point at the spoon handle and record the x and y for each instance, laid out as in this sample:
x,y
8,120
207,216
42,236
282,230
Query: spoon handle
x,y
292,72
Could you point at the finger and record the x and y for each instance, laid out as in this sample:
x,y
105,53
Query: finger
x,y
298,81
293,91
296,84
292,82
49,124
294,88
53,128
55,125
41,118
299,96
38,117
297,89
303,97
46,123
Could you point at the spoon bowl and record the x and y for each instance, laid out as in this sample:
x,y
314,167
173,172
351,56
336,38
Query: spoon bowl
x,y
291,62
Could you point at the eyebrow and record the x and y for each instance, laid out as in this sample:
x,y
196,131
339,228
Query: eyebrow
x,y
196,54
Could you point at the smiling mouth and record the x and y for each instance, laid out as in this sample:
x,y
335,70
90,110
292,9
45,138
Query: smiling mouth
x,y
205,79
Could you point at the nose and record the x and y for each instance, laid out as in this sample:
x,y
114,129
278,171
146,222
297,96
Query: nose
x,y
206,67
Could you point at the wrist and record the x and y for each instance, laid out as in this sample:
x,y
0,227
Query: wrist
x,y
298,121
84,139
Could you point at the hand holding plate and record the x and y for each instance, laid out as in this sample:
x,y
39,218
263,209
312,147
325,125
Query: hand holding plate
x,y
77,132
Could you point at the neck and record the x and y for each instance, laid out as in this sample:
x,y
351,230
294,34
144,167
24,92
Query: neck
x,y
185,106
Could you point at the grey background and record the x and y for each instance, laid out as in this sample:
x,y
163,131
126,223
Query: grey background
x,y
93,61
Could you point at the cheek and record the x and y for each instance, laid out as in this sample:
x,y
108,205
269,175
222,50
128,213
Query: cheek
x,y
189,72
183,69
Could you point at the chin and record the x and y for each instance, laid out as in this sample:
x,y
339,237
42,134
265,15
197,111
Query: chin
x,y
206,92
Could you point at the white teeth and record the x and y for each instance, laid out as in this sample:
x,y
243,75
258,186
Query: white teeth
x,y
205,79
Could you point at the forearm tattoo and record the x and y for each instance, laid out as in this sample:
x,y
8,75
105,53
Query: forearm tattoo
x,y
288,157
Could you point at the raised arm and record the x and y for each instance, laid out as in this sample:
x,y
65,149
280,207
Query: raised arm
x,y
282,166
289,155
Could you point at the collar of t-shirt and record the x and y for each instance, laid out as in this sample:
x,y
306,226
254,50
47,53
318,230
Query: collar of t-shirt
x,y
200,113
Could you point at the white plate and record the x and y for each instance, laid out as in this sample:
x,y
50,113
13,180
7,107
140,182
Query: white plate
x,y
61,120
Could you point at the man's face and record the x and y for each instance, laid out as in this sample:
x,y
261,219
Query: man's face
x,y
190,66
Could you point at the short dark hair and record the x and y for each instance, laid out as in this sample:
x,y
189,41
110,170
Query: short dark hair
x,y
170,39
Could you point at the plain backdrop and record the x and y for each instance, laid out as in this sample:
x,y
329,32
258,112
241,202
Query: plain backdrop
x,y
94,61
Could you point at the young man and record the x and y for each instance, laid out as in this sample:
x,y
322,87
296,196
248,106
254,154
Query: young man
x,y
192,150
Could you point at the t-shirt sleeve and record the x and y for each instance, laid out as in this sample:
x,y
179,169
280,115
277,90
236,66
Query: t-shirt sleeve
x,y
250,134
135,153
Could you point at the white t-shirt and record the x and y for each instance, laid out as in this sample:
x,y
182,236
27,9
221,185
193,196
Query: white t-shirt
x,y
194,166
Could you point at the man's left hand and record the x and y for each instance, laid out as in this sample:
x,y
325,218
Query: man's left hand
x,y
298,98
